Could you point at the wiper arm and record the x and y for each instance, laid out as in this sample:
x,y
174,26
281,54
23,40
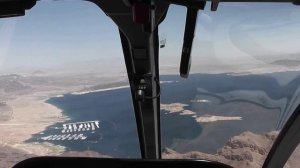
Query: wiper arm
x,y
190,26
193,6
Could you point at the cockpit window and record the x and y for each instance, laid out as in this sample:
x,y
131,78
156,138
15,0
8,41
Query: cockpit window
x,y
244,83
64,89
63,85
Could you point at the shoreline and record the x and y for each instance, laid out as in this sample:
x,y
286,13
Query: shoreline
x,y
106,89
31,115
97,90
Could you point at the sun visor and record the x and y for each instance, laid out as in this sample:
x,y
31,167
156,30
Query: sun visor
x,y
13,8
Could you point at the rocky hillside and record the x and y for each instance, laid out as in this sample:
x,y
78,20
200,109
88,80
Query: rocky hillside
x,y
5,112
245,150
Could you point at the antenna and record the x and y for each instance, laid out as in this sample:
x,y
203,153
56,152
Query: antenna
x,y
162,42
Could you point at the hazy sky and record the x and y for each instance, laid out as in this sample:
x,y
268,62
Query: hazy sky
x,y
239,33
69,33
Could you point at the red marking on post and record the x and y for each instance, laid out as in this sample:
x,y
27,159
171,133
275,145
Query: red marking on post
x,y
141,13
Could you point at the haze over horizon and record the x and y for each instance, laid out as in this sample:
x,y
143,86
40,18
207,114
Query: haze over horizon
x,y
69,35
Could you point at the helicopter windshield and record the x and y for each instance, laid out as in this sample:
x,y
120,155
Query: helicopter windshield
x,y
64,89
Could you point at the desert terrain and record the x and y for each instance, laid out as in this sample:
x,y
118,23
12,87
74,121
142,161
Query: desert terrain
x,y
24,111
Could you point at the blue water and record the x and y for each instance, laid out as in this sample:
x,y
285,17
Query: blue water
x,y
117,135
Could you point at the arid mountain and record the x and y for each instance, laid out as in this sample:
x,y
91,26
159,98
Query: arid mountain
x,y
245,150
12,83
5,112
38,73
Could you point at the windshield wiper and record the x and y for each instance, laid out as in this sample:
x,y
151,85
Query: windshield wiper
x,y
190,26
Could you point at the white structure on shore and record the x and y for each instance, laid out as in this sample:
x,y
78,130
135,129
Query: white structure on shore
x,y
69,131
80,126
64,137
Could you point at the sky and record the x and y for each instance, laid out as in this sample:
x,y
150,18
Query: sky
x,y
74,34
240,33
